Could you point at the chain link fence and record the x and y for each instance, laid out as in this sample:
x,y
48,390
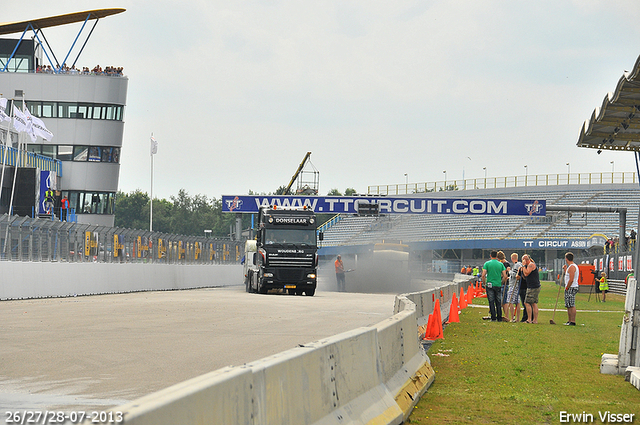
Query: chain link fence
x,y
38,239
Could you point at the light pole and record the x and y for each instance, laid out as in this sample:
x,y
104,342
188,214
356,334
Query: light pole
x,y
526,171
613,166
406,178
445,179
485,172
568,168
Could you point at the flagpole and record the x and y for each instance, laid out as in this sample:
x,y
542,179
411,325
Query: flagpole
x,y
13,187
4,164
18,164
6,151
151,200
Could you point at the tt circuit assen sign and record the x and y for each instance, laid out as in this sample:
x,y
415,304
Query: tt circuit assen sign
x,y
388,205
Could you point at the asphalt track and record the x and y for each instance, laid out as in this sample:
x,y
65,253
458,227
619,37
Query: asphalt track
x,y
96,352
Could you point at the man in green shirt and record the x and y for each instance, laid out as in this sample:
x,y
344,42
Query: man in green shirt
x,y
493,272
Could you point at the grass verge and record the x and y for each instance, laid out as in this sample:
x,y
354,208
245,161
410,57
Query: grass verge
x,y
514,373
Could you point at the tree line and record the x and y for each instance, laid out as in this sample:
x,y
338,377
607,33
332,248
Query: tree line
x,y
184,214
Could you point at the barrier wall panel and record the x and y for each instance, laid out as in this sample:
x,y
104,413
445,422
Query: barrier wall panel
x,y
40,279
306,384
222,397
293,387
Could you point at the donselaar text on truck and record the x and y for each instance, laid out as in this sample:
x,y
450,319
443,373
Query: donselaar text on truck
x,y
285,253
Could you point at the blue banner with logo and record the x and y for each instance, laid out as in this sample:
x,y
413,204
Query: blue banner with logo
x,y
47,180
388,205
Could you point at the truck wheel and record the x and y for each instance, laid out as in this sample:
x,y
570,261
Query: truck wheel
x,y
250,279
261,289
247,283
310,292
291,291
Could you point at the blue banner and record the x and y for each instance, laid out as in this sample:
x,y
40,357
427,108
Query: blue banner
x,y
389,205
47,180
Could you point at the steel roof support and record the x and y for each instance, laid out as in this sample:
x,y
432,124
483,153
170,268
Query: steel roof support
x,y
48,45
16,48
74,42
85,42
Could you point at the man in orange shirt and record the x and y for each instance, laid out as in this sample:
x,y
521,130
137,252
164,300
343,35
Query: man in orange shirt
x,y
340,274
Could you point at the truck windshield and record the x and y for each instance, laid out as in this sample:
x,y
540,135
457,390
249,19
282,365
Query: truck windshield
x,y
290,236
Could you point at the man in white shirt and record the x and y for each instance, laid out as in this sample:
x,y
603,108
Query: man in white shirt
x,y
571,276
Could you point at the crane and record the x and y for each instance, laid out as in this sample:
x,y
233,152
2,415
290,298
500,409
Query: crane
x,y
297,173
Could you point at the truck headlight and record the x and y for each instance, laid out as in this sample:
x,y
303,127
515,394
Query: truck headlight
x,y
311,276
268,275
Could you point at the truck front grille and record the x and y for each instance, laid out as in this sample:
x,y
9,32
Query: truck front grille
x,y
290,262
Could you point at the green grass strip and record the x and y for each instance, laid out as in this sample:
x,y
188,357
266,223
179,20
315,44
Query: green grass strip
x,y
519,373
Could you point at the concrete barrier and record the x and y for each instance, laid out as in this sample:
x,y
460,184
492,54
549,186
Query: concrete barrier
x,y
220,397
372,375
40,280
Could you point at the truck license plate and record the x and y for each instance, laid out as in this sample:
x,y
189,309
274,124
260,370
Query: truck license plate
x,y
289,286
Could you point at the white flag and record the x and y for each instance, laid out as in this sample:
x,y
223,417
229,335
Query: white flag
x,y
30,130
4,116
40,129
154,146
3,107
20,122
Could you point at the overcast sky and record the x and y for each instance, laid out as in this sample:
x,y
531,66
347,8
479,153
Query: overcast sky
x,y
237,92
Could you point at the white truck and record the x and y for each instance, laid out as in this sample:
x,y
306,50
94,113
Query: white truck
x,y
249,267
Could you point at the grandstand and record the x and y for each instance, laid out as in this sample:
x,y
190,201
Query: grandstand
x,y
558,230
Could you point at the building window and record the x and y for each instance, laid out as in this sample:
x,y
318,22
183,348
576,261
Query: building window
x,y
80,153
65,153
91,202
77,153
49,150
94,153
75,110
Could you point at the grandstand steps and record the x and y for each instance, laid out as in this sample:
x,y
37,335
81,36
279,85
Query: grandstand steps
x,y
352,230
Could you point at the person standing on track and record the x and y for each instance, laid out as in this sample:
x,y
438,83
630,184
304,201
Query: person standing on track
x,y
340,274
493,272
571,276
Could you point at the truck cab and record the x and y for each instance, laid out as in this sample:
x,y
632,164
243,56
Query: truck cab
x,y
286,251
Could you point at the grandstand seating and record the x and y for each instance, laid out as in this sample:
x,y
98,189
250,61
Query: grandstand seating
x,y
558,225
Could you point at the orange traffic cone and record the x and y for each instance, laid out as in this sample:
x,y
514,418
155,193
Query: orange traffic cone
x,y
469,295
463,299
428,332
453,311
437,321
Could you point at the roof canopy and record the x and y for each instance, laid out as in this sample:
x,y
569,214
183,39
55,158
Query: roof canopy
x,y
616,124
54,21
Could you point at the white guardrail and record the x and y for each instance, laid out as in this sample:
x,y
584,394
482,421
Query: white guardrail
x,y
370,375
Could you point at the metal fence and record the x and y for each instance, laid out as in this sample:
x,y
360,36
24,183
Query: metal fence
x,y
505,182
616,265
40,239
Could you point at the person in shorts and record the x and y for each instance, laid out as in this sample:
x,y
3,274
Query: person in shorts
x,y
530,271
571,276
604,286
513,305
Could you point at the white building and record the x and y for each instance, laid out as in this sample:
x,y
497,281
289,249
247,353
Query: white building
x,y
84,111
